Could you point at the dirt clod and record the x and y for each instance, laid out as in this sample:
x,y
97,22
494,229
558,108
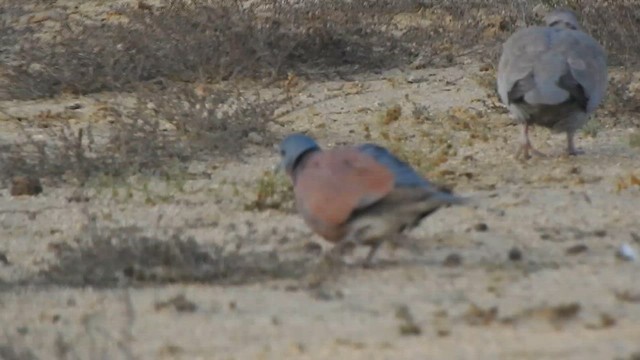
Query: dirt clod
x,y
481,227
577,249
179,302
515,254
452,260
25,185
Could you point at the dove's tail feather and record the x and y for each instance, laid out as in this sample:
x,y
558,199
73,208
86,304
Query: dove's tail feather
x,y
446,198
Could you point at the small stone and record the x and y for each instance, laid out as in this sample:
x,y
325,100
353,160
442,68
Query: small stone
x,y
452,260
255,138
78,196
312,248
3,258
515,254
627,253
545,236
35,68
180,303
410,329
25,185
415,79
481,227
408,326
600,233
576,249
75,106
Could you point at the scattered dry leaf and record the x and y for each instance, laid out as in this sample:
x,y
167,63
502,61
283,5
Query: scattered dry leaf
x,y
392,114
476,315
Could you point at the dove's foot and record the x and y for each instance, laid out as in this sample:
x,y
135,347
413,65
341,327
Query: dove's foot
x,y
575,152
526,149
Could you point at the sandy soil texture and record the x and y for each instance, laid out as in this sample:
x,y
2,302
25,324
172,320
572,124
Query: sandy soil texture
x,y
528,271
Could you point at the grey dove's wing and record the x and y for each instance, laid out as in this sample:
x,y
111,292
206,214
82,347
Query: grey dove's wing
x,y
531,66
547,65
519,55
587,62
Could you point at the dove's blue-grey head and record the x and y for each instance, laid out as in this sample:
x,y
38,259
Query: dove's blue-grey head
x,y
293,148
562,19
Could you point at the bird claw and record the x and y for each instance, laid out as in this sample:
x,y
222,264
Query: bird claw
x,y
575,152
526,151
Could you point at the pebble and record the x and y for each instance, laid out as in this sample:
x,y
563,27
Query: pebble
x,y
312,248
515,254
627,253
76,106
577,249
25,185
600,233
452,260
415,79
255,138
3,258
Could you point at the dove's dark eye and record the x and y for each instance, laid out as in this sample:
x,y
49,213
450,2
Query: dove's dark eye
x,y
281,152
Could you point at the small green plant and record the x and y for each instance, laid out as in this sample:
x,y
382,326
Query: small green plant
x,y
391,115
421,113
274,191
634,140
592,128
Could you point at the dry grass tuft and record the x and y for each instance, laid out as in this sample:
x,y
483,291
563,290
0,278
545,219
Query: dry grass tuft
x,y
170,125
196,42
112,257
273,39
10,351
274,191
392,114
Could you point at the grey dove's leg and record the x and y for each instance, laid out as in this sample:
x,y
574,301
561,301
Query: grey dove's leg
x,y
571,148
526,147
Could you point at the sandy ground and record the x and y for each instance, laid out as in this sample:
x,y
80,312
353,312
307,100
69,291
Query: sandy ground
x,y
567,297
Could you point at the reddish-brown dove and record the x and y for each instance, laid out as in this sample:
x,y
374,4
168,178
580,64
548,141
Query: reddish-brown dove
x,y
358,194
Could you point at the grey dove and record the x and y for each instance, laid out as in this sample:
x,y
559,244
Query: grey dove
x,y
553,76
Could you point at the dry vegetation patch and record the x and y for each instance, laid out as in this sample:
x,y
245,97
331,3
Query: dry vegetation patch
x,y
111,257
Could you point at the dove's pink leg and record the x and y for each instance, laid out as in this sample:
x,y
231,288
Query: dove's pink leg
x,y
525,146
571,148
